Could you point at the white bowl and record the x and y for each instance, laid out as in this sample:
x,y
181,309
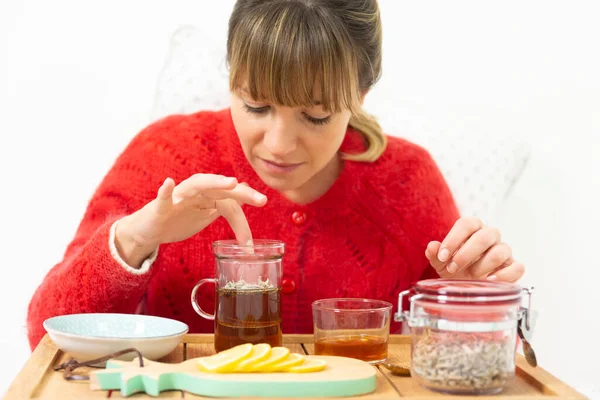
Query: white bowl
x,y
89,336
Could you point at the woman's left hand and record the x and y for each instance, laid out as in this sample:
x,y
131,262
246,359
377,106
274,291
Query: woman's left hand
x,y
474,251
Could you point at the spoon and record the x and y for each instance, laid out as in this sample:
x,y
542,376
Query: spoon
x,y
527,349
397,369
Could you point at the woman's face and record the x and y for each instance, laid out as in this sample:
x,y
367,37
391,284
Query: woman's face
x,y
292,150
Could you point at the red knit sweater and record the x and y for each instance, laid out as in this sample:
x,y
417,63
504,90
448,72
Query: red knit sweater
x,y
366,237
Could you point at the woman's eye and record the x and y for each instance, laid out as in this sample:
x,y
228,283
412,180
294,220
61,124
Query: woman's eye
x,y
318,121
256,110
265,109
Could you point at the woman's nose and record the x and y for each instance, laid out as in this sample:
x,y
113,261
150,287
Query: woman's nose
x,y
280,140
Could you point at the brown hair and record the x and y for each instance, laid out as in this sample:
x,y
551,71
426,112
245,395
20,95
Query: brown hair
x,y
280,48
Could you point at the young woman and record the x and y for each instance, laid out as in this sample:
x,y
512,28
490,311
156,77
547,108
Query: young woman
x,y
294,158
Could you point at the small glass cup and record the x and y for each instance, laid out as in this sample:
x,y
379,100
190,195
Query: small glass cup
x,y
355,328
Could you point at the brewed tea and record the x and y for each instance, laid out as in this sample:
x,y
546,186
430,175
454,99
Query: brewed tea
x,y
247,316
364,347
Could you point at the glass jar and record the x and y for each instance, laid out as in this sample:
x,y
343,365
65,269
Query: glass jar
x,y
463,333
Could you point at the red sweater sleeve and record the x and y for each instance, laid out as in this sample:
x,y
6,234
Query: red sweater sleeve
x,y
441,213
420,197
405,196
88,279
442,206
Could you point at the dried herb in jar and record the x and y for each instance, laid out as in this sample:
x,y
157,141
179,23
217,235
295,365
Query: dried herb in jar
x,y
463,361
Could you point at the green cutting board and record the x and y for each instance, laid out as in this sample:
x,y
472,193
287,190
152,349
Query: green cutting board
x,y
341,377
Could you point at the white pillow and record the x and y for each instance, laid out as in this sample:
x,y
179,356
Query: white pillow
x,y
480,168
195,75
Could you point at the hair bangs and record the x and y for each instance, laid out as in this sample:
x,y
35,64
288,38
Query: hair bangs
x,y
285,56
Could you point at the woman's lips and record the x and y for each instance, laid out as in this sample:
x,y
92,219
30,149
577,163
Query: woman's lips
x,y
279,168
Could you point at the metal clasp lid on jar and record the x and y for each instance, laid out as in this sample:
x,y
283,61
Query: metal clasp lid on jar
x,y
425,320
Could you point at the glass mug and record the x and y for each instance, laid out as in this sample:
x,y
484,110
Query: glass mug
x,y
247,293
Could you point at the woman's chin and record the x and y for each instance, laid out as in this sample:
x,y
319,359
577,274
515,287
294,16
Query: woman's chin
x,y
281,183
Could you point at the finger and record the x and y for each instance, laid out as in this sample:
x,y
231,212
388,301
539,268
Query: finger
x,y
198,183
200,203
460,232
473,249
164,196
245,184
233,213
431,254
241,194
512,273
497,257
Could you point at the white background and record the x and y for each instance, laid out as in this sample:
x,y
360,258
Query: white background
x,y
77,82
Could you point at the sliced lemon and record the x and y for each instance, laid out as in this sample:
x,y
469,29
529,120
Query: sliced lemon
x,y
290,361
226,360
260,352
277,354
309,365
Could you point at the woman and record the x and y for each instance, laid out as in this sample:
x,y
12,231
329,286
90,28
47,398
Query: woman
x,y
295,158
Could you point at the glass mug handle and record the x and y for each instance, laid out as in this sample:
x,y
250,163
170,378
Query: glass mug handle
x,y
196,306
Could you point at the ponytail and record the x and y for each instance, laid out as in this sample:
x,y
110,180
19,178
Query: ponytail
x,y
371,132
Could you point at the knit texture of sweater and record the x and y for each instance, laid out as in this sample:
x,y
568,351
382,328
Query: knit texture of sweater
x,y
365,237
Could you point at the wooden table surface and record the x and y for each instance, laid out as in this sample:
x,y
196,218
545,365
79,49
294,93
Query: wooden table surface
x,y
37,379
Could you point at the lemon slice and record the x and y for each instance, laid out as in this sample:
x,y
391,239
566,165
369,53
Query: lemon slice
x,y
309,365
277,354
290,361
259,353
226,360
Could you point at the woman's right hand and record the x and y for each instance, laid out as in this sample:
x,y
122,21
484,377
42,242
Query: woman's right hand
x,y
179,212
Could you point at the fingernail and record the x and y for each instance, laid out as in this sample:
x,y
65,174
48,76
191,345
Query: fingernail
x,y
453,267
228,180
492,278
443,255
259,197
250,248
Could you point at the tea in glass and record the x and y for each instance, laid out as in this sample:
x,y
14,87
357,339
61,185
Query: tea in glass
x,y
248,316
364,347
247,292
356,328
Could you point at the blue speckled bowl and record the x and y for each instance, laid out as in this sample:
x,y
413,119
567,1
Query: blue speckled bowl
x,y
89,336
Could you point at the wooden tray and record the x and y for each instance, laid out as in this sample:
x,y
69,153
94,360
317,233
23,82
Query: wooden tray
x,y
37,379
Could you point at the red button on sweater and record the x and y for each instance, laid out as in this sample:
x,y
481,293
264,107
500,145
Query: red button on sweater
x,y
366,237
299,217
